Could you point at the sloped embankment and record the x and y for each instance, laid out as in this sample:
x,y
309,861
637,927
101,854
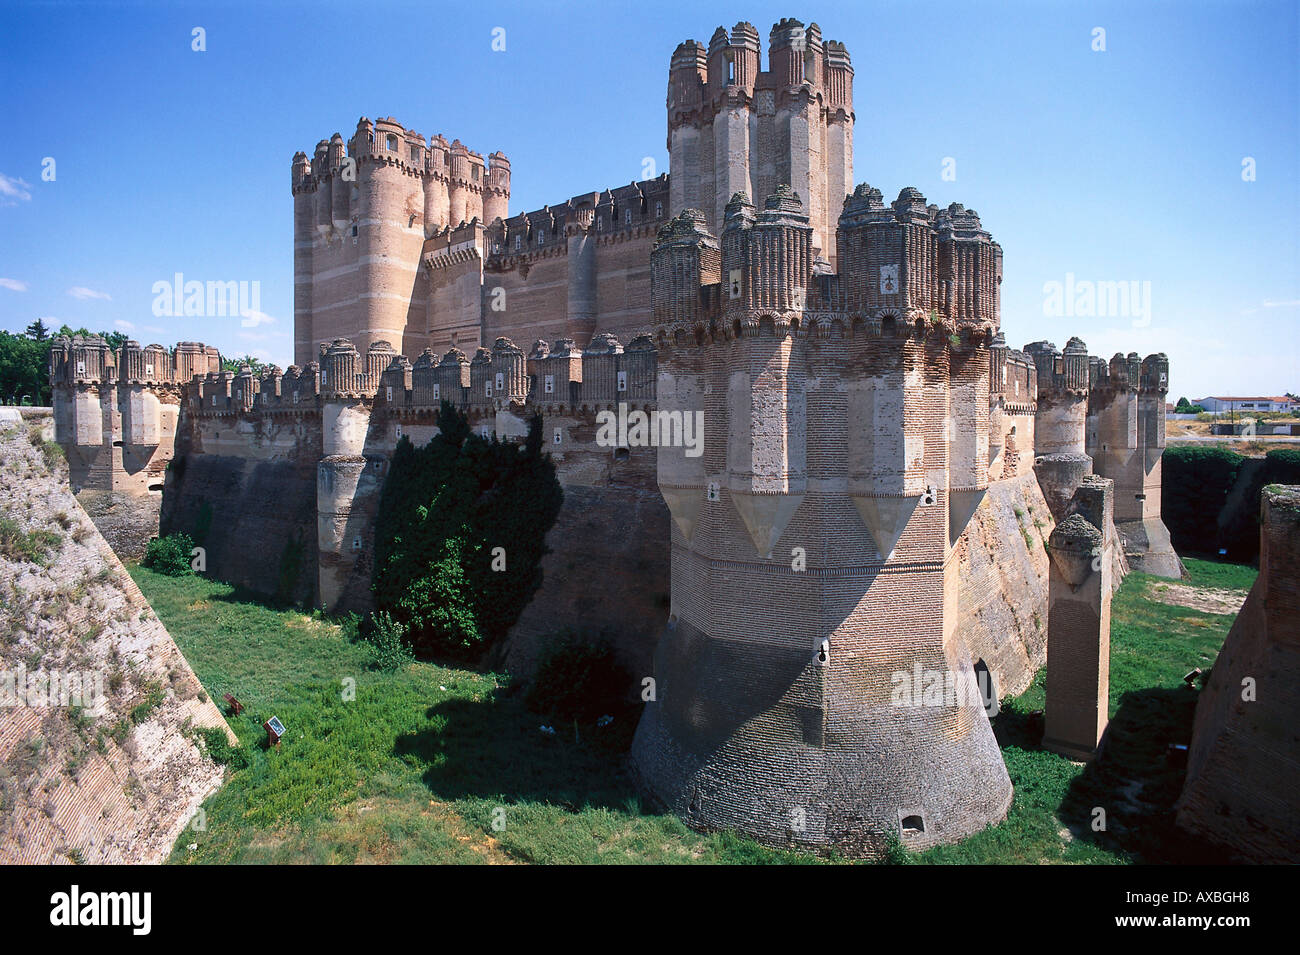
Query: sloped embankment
x,y
98,761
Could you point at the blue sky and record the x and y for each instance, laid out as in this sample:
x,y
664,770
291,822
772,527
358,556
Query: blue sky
x,y
1122,165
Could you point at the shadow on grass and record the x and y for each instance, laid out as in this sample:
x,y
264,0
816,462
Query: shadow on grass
x,y
1136,782
496,749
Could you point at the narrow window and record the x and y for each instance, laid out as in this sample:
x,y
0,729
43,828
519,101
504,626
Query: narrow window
x,y
627,216
550,384
519,241
389,392
659,210
436,390
912,825
622,381
392,143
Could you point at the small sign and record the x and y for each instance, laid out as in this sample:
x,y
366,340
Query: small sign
x,y
235,706
274,730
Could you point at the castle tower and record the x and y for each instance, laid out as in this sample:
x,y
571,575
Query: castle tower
x,y
827,482
347,489
496,194
363,212
1060,422
1126,440
733,128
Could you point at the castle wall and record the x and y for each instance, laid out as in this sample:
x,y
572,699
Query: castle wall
x,y
244,488
1243,766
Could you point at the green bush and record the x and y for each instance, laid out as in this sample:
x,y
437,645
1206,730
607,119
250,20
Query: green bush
x,y
170,555
448,513
580,678
388,642
218,747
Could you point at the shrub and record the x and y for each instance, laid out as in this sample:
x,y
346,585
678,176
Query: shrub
x,y
445,513
170,555
579,678
218,747
388,642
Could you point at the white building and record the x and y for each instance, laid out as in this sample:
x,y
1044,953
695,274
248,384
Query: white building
x,y
1219,404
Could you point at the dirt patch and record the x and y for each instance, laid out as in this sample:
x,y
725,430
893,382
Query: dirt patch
x,y
1207,599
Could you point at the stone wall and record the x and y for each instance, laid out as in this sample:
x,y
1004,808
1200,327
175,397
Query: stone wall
x,y
95,785
1243,768
244,488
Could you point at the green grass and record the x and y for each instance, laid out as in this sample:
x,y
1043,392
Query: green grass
x,y
432,764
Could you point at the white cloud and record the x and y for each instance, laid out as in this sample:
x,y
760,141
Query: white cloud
x,y
81,292
251,319
123,324
11,188
13,285
1291,303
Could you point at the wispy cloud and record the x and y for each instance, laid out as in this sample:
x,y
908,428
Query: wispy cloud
x,y
123,324
251,319
14,190
83,293
13,285
1289,303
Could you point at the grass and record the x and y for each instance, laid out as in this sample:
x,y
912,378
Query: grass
x,y
431,764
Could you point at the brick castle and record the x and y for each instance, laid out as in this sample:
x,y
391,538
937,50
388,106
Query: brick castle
x,y
871,444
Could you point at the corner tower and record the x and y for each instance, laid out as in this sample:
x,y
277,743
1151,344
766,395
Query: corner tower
x,y
845,446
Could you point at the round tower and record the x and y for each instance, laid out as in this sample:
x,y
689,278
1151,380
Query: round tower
x,y
496,195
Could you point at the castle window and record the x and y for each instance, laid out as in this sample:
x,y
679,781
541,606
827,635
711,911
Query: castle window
x,y
398,432
415,154
354,230
600,223
559,435
659,210
437,396
519,241
474,172
627,216
295,397
622,381
731,71
550,384
501,382
148,369
81,368
621,454
487,387
356,543
912,825
541,236
389,393
391,141
214,401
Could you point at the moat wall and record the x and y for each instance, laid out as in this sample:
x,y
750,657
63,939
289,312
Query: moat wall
x,y
244,488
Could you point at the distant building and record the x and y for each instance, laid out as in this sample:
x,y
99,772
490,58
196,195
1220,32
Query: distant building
x,y
1219,404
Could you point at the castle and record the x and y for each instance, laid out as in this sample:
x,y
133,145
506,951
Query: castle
x,y
870,440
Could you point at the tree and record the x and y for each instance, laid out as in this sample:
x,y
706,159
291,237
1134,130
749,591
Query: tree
x,y
232,364
38,330
460,535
